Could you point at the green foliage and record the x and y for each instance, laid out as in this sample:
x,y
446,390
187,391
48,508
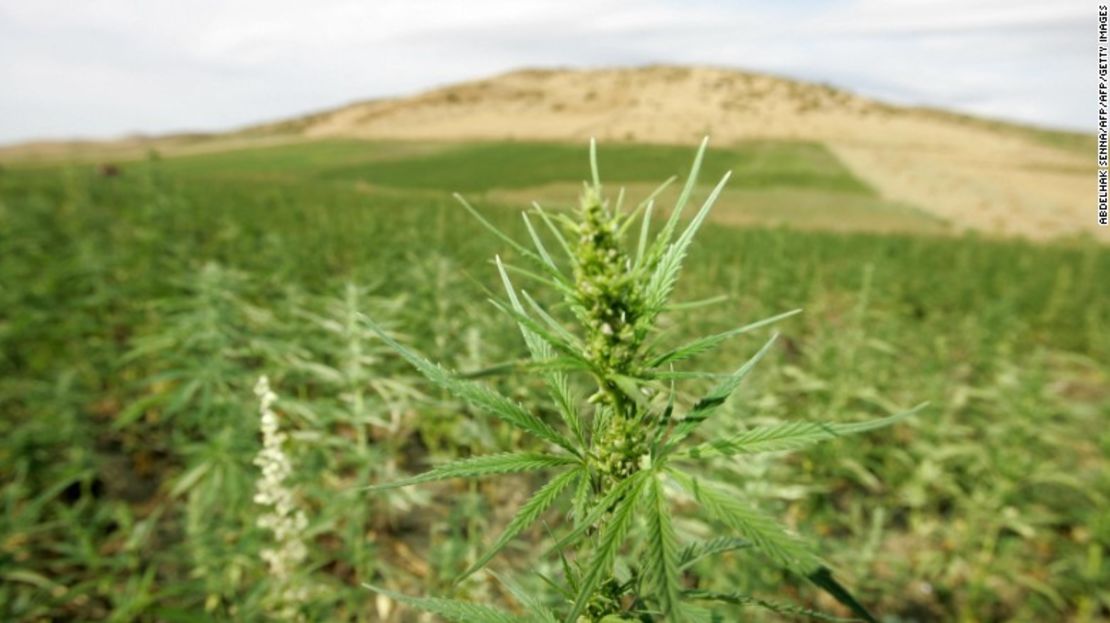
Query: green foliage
x,y
508,462
478,395
763,532
528,514
452,610
661,568
789,436
617,302
471,168
695,551
990,506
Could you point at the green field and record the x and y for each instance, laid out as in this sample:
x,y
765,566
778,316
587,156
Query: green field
x,y
137,312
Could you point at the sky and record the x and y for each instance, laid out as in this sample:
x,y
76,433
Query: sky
x,y
106,68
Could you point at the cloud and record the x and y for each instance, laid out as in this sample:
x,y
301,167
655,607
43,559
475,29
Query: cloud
x,y
108,67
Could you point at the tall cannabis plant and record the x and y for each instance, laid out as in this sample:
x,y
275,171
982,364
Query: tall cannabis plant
x,y
619,450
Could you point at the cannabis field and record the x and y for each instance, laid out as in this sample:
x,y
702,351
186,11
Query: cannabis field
x,y
139,310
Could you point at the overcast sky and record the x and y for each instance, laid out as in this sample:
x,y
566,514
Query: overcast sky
x,y
101,68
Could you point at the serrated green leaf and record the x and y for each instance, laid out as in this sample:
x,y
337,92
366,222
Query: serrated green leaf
x,y
564,288
542,250
704,344
594,171
540,349
559,364
554,230
698,614
478,395
766,534
610,539
503,463
508,240
741,599
600,508
528,513
789,436
645,228
715,398
537,612
679,375
694,552
665,275
697,304
646,203
451,609
661,552
557,587
669,228
559,345
579,510
551,323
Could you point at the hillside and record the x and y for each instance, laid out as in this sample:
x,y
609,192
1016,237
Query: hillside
x,y
975,174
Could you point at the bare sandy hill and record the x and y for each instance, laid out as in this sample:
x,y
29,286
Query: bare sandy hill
x,y
977,175
992,177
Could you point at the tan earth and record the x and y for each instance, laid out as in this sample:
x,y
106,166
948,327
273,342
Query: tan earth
x,y
989,176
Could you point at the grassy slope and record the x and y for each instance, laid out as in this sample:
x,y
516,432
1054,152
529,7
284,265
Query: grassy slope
x,y
800,184
483,166
987,507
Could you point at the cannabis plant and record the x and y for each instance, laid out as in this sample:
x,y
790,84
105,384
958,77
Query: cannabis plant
x,y
199,352
620,450
352,400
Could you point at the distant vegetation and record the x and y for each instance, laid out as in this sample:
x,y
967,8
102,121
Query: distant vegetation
x,y
138,311
774,181
456,167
